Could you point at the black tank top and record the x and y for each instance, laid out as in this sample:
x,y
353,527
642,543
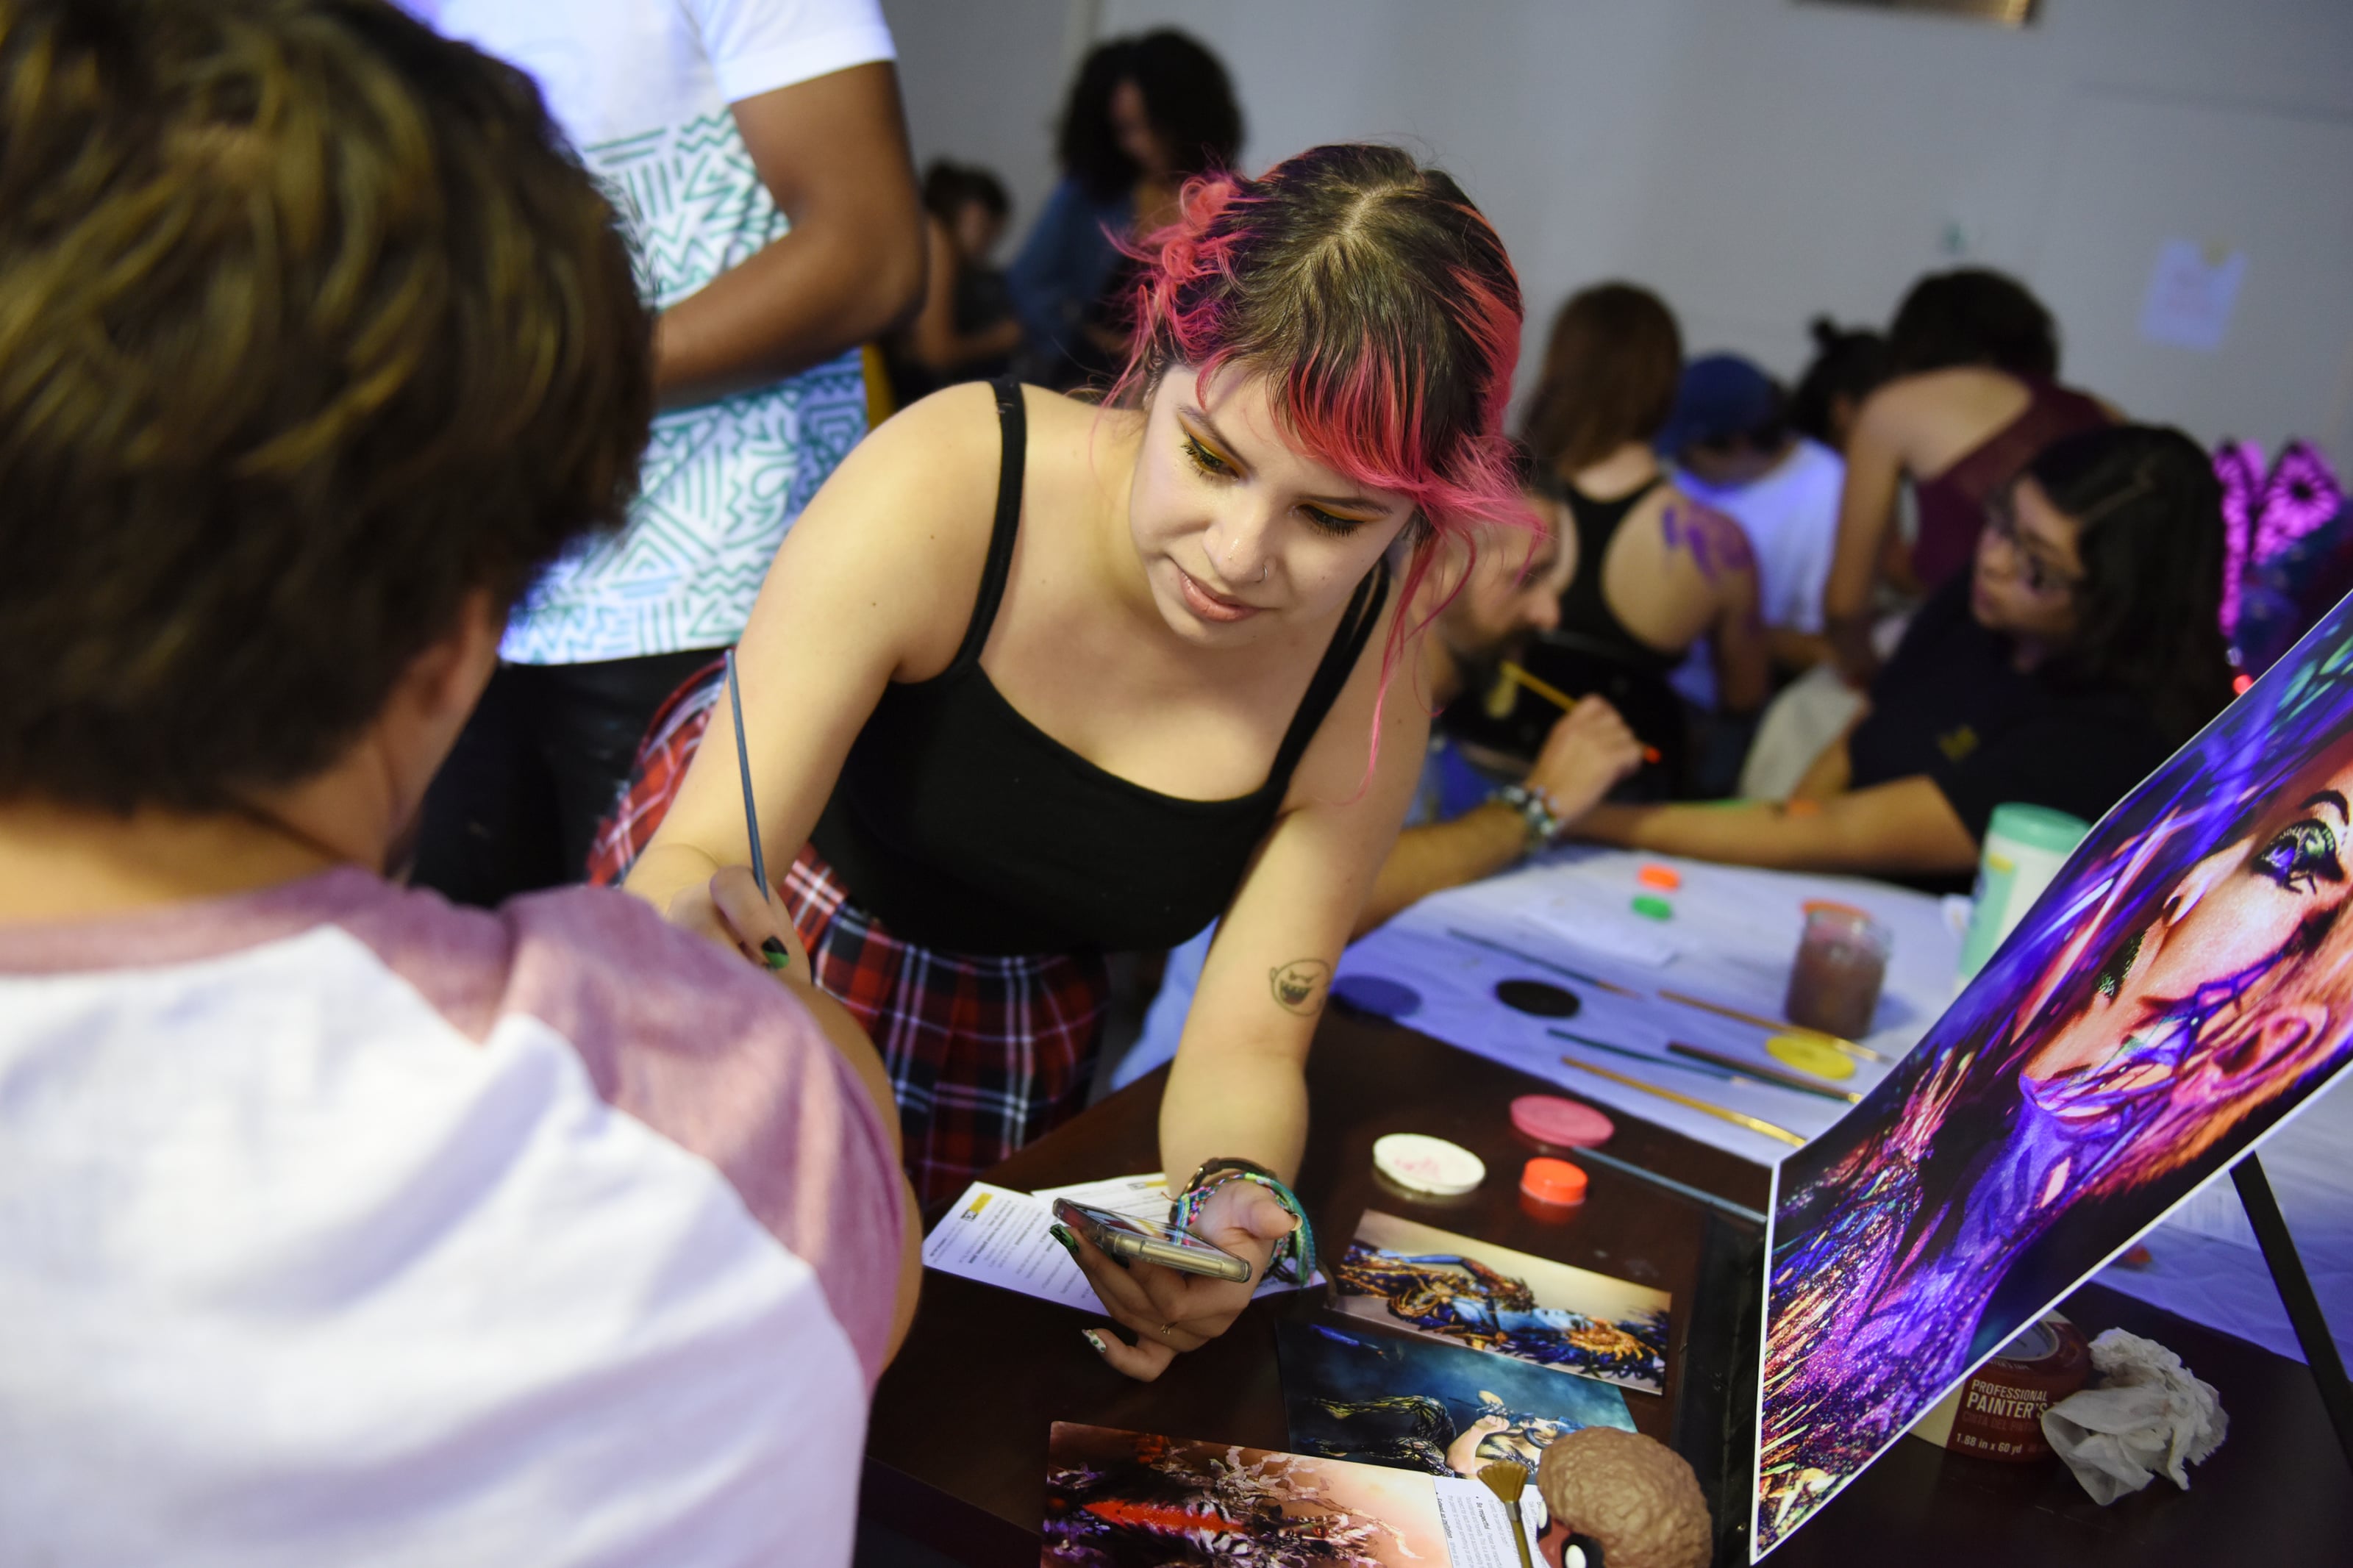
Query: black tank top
x,y
1586,616
964,828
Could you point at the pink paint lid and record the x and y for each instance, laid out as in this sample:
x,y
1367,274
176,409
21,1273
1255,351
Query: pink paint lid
x,y
1563,1123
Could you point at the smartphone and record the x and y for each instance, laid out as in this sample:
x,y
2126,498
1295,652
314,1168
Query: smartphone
x,y
1124,1238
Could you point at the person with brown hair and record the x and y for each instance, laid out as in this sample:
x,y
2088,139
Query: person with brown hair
x,y
1973,394
344,1225
2084,646
1652,572
1038,679
964,330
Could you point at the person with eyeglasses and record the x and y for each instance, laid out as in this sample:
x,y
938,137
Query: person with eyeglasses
x,y
2083,647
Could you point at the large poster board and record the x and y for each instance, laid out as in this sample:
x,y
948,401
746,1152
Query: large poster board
x,y
2182,987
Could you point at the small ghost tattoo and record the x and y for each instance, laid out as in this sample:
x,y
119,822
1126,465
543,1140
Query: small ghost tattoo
x,y
1299,985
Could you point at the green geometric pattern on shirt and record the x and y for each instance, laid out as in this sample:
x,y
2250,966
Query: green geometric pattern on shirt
x,y
721,481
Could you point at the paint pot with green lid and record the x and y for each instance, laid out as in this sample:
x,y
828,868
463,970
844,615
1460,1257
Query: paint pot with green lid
x,y
2025,846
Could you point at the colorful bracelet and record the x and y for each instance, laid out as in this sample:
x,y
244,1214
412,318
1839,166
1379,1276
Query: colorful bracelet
x,y
1294,1258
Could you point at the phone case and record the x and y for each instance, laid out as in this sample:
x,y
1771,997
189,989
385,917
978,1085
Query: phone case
x,y
1125,1237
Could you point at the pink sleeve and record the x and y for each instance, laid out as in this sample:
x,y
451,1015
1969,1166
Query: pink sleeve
x,y
724,1062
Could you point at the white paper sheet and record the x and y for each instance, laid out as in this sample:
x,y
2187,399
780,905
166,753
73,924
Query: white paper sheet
x,y
999,1237
1478,1529
2192,289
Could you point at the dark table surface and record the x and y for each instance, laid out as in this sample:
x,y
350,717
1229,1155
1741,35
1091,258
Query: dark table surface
x,y
956,1448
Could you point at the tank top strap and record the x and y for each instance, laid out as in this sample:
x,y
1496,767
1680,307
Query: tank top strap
x,y
1013,424
1348,640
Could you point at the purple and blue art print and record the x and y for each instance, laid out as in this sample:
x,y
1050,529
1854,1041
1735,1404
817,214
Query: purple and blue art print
x,y
2183,985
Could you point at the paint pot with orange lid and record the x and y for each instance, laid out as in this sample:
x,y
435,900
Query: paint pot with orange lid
x,y
1551,1190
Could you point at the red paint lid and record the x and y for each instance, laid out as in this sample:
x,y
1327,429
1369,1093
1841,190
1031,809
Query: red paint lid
x,y
1563,1123
1552,1181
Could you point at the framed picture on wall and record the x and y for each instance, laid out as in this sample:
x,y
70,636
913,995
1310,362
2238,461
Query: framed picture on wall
x,y
2000,13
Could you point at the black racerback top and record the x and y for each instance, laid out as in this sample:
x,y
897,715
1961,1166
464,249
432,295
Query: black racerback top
x,y
1585,614
964,828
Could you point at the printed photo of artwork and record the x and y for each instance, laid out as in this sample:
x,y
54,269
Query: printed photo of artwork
x,y
1385,1399
1489,1298
2184,985
1126,1500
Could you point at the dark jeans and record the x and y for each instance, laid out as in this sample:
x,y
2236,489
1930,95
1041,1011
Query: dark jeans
x,y
544,756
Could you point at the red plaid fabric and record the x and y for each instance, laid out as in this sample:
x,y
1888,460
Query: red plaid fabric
x,y
985,1054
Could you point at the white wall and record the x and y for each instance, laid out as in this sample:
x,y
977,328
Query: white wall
x,y
1759,161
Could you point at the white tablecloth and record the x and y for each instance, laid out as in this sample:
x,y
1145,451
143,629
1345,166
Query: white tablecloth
x,y
1731,939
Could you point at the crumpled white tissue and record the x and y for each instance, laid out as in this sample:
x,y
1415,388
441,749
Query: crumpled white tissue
x,y
2148,1415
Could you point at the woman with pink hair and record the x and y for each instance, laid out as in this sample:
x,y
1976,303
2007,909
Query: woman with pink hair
x,y
1034,680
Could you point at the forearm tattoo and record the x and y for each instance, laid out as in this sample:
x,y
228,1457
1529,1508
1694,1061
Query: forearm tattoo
x,y
1299,985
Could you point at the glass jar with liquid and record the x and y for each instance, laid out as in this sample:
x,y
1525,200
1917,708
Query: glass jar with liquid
x,y
1841,965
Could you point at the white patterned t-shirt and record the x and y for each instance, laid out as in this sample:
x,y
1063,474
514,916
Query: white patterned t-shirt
x,y
643,87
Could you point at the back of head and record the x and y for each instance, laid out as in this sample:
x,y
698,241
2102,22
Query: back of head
x,y
1190,99
1847,364
312,335
1725,403
2148,614
1973,316
1611,372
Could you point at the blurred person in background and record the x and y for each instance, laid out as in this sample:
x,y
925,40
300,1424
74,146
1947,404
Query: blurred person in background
x,y
1651,571
1974,359
1848,366
964,330
1144,115
2079,651
761,160
1735,448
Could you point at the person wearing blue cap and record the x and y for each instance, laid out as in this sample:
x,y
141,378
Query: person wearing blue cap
x,y
1734,448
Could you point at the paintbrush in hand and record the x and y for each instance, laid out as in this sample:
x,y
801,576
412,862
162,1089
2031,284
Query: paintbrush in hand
x,y
773,952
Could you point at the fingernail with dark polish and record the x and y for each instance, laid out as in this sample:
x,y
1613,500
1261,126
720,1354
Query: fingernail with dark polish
x,y
1070,1243
775,954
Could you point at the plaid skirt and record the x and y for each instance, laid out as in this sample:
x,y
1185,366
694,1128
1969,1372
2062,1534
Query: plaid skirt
x,y
985,1054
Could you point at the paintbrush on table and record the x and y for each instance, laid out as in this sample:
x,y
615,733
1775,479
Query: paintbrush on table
x,y
1777,1026
1507,1481
1756,1073
1737,1118
1579,975
1728,1069
773,952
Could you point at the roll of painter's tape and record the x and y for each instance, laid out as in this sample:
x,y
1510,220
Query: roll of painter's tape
x,y
1424,1164
1998,1413
2025,846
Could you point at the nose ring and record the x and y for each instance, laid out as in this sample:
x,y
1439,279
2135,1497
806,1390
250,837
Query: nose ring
x,y
1265,567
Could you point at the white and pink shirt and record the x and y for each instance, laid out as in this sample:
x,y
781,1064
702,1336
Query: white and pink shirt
x,y
339,1226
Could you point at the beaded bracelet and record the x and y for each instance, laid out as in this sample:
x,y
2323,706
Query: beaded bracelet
x,y
1294,1257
